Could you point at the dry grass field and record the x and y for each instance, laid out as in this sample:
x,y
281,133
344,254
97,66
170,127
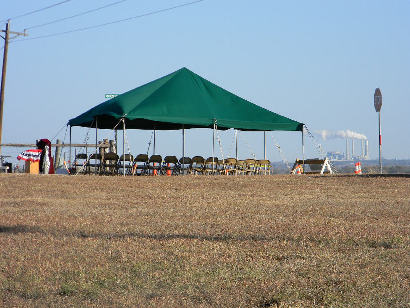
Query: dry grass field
x,y
204,241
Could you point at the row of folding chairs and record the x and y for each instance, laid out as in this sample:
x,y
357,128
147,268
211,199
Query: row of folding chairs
x,y
142,164
111,163
107,163
198,165
230,166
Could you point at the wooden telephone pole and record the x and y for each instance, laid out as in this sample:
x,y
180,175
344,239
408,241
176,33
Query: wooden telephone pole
x,y
6,38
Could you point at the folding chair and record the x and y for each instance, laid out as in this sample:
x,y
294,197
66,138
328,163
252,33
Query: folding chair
x,y
80,163
170,165
230,166
155,164
126,162
211,165
250,166
240,167
185,165
110,163
263,166
141,165
198,165
94,161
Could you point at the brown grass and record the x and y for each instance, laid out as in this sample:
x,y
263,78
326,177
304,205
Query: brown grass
x,y
204,241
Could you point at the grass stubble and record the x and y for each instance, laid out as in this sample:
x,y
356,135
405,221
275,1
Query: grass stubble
x,y
203,241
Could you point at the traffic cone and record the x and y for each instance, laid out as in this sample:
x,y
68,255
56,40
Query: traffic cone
x,y
66,167
154,172
298,169
168,170
358,168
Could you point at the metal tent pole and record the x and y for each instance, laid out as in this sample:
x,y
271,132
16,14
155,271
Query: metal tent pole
x,y
213,149
69,159
303,147
236,144
116,141
96,145
183,150
264,145
154,142
123,147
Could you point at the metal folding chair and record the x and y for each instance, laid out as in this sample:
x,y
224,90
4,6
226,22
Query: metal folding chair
x,y
141,165
198,165
110,163
94,162
185,165
155,164
211,165
170,165
126,162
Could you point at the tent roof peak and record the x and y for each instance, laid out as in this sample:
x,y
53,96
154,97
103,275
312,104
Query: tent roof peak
x,y
183,98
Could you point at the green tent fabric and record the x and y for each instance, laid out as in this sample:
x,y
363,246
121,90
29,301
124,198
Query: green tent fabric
x,y
183,99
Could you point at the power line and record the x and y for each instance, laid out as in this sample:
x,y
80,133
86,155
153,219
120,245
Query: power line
x,y
112,22
38,10
76,15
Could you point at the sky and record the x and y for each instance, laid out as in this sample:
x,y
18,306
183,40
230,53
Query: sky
x,y
317,62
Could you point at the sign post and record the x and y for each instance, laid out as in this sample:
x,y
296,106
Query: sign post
x,y
109,96
378,106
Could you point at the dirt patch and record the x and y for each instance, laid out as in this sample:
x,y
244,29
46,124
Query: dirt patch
x,y
204,241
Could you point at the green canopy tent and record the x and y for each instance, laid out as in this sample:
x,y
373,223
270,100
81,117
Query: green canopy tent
x,y
182,100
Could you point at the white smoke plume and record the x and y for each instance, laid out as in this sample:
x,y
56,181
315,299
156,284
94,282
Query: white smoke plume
x,y
340,134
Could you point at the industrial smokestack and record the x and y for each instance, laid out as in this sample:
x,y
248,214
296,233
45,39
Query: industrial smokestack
x,y
352,148
367,149
362,144
347,149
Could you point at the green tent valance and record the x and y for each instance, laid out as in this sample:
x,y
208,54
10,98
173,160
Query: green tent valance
x,y
183,99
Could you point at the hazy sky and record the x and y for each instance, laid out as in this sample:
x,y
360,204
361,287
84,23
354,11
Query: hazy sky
x,y
317,62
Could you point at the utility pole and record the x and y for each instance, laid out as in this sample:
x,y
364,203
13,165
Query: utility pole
x,y
6,38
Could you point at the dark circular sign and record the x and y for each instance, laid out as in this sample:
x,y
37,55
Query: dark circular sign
x,y
377,100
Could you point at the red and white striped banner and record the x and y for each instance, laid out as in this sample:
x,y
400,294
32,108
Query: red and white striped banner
x,y
30,155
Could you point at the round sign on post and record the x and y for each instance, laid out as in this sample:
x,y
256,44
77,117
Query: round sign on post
x,y
378,106
377,100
